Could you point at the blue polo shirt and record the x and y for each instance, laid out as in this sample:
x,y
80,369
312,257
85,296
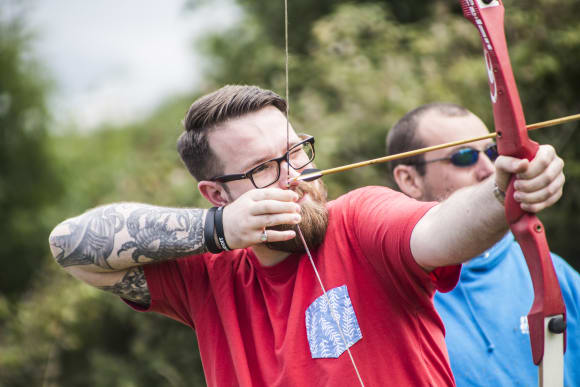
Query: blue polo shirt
x,y
486,325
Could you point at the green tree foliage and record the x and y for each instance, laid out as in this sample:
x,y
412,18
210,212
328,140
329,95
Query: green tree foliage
x,y
27,181
302,14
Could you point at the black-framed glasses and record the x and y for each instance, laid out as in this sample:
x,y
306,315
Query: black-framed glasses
x,y
466,157
267,173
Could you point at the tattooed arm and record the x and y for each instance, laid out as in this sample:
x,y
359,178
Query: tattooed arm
x,y
106,247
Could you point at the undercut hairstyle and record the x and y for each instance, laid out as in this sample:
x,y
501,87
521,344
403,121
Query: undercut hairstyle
x,y
211,111
404,136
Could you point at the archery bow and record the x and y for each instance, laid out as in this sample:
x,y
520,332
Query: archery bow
x,y
547,317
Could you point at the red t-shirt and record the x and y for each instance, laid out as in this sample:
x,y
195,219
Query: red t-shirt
x,y
271,326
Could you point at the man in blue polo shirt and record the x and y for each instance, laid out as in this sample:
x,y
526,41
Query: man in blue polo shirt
x,y
485,315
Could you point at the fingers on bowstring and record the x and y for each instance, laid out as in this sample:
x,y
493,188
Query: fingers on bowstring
x,y
265,207
274,194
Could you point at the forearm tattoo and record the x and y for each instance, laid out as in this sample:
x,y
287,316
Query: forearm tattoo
x,y
146,233
163,233
132,287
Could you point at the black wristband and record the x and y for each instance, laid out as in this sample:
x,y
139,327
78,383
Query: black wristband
x,y
208,232
219,229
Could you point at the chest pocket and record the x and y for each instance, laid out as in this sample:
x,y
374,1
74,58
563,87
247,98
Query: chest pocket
x,y
331,329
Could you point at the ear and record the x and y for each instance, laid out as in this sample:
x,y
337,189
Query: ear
x,y
409,181
214,192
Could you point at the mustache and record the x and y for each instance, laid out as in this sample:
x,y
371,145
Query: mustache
x,y
314,219
315,189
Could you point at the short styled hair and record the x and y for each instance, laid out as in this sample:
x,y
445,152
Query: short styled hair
x,y
403,136
208,113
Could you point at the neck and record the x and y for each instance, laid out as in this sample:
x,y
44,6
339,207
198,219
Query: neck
x,y
267,256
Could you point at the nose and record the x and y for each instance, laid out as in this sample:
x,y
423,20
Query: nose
x,y
484,167
286,173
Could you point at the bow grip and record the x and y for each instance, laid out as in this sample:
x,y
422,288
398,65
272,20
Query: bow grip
x,y
513,210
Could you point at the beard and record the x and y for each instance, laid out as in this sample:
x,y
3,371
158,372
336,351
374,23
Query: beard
x,y
314,220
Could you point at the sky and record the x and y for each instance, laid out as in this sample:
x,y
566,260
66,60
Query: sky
x,y
113,61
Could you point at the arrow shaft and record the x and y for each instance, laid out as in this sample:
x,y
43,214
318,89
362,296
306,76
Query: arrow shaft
x,y
398,156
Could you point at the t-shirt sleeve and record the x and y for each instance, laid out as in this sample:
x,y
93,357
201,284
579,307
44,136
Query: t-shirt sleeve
x,y
383,221
174,288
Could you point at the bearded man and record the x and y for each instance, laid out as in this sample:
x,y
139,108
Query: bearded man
x,y
238,273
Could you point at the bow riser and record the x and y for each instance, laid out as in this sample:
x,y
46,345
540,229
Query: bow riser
x,y
513,140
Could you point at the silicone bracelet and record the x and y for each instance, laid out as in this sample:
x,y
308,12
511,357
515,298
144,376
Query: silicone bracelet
x,y
208,230
219,228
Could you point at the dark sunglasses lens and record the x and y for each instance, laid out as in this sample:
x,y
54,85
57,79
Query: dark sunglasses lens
x,y
464,157
491,152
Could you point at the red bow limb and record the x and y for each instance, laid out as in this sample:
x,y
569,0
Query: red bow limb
x,y
512,139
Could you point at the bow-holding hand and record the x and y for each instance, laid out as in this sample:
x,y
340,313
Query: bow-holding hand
x,y
471,219
538,183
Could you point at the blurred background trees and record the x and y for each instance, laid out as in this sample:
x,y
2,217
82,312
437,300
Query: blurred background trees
x,y
355,68
24,162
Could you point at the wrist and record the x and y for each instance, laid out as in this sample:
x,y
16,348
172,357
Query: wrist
x,y
219,228
498,194
209,232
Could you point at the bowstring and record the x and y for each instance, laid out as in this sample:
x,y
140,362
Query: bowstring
x,y
299,231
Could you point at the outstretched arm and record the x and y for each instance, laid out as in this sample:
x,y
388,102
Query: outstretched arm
x,y
471,220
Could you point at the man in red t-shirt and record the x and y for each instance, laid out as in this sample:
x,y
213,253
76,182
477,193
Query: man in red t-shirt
x,y
355,307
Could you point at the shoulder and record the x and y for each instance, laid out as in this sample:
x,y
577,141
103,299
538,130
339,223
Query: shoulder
x,y
375,194
366,202
373,190
378,205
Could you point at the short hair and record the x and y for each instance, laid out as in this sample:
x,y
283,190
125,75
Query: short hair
x,y
403,136
208,113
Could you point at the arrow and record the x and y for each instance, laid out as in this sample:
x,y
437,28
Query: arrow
x,y
313,174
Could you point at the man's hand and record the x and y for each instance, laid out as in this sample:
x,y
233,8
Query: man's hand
x,y
538,183
246,217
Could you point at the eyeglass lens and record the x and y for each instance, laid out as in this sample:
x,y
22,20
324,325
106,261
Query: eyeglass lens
x,y
269,172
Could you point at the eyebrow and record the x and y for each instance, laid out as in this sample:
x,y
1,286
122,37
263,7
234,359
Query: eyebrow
x,y
265,159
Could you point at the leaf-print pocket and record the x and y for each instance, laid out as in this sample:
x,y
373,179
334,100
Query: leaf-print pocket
x,y
323,332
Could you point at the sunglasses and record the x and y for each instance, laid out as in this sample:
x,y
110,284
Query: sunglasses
x,y
467,157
